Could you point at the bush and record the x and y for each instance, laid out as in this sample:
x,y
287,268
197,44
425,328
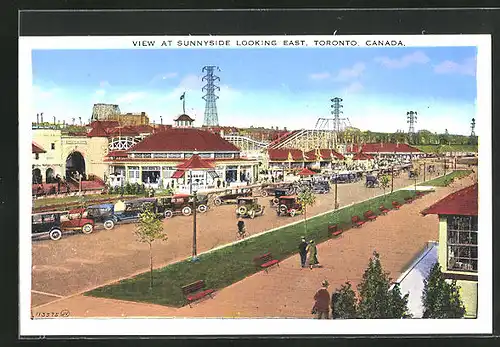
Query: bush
x,y
344,303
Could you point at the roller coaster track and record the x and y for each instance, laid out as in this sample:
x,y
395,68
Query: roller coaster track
x,y
246,143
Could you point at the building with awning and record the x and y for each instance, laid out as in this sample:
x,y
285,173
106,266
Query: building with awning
x,y
458,242
155,160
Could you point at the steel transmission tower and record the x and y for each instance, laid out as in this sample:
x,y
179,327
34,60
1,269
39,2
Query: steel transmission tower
x,y
211,117
411,117
336,106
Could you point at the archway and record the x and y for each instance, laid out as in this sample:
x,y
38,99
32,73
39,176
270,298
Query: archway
x,y
49,176
75,163
36,176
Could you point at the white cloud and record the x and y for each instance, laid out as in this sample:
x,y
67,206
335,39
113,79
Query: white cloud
x,y
164,76
417,57
319,76
40,93
354,87
467,67
100,92
104,84
130,97
350,73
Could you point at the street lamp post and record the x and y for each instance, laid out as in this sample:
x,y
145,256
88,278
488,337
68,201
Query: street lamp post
x,y
195,255
336,196
392,178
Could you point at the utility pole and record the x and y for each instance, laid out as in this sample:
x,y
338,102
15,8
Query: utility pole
x,y
392,178
336,196
211,116
411,119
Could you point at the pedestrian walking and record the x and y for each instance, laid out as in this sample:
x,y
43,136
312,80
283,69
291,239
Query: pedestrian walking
x,y
303,252
218,183
321,306
312,254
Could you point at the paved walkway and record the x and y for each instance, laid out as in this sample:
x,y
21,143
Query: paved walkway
x,y
287,291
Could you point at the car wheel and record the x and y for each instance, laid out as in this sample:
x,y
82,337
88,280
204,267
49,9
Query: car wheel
x,y
264,193
242,210
186,210
168,214
276,201
283,208
292,212
202,208
251,214
55,234
109,224
217,201
87,228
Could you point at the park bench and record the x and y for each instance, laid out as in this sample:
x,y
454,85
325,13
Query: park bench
x,y
357,222
369,215
333,230
383,210
409,200
195,291
396,205
265,261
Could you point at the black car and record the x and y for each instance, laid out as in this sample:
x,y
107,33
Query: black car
x,y
43,223
320,187
277,194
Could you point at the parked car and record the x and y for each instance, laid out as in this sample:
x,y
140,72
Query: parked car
x,y
249,207
320,187
177,204
103,213
231,196
345,177
289,206
277,194
270,190
371,181
50,223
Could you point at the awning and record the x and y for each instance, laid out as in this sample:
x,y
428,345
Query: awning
x,y
213,174
178,174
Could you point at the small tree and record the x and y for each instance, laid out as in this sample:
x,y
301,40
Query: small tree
x,y
127,188
385,181
306,198
439,298
376,300
344,302
150,229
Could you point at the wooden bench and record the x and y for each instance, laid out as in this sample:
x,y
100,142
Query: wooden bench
x,y
383,210
396,205
333,230
195,291
369,215
266,261
357,222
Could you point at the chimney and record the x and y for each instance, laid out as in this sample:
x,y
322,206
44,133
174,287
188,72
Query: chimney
x,y
54,119
37,119
41,117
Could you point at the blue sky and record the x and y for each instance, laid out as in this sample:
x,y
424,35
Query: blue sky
x,y
266,87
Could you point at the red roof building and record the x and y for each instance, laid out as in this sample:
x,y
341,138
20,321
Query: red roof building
x,y
97,130
323,155
183,139
463,202
285,155
362,156
36,148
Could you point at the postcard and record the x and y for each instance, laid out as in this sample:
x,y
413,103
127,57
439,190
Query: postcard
x,y
257,185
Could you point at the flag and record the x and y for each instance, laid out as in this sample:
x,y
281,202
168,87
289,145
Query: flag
x,y
182,96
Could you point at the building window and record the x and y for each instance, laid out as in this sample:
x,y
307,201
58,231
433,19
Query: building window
x,y
133,172
462,243
52,145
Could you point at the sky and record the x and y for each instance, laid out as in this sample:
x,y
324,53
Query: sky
x,y
283,87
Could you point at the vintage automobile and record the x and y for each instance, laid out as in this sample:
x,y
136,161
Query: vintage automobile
x,y
371,181
277,194
231,196
270,190
289,206
412,174
320,187
103,213
177,204
249,207
50,223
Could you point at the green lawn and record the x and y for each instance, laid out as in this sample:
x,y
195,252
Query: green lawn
x,y
448,148
228,265
444,181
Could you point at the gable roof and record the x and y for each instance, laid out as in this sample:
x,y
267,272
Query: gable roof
x,y
183,139
362,156
97,130
325,154
285,154
195,162
463,203
36,148
184,117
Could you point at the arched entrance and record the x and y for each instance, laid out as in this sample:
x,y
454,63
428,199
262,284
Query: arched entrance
x,y
75,163
36,176
49,176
